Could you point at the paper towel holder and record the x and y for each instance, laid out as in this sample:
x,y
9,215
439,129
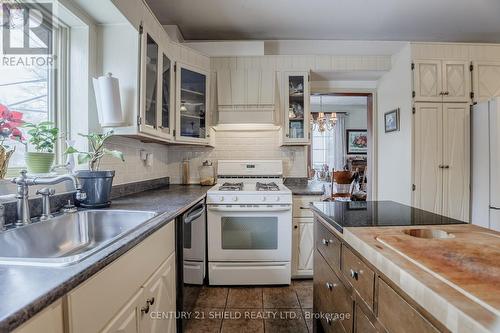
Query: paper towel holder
x,y
107,94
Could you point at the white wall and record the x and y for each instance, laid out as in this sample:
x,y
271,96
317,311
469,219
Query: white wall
x,y
394,149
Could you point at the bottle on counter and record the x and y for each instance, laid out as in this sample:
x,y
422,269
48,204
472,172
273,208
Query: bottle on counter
x,y
207,173
185,171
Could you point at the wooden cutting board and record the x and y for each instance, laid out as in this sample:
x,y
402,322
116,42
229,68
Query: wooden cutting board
x,y
469,262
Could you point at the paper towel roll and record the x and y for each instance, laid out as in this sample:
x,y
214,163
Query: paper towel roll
x,y
109,107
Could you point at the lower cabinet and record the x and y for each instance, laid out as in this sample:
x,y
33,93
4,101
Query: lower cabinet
x,y
49,320
351,295
136,293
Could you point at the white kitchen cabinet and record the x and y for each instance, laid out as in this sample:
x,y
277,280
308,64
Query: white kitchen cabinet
x,y
441,81
296,110
121,296
192,87
303,236
441,159
486,80
49,320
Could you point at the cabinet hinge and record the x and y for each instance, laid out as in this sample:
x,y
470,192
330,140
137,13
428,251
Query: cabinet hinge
x,y
139,120
412,66
471,95
141,29
175,68
413,110
413,94
471,67
413,187
173,132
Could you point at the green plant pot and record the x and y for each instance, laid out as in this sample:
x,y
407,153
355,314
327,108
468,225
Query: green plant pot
x,y
39,162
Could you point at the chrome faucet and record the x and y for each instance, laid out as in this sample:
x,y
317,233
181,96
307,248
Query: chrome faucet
x,y
23,182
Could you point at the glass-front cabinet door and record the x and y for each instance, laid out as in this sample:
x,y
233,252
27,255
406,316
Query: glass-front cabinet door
x,y
296,111
157,95
192,102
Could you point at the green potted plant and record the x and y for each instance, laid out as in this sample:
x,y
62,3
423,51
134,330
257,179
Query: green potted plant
x,y
43,138
97,184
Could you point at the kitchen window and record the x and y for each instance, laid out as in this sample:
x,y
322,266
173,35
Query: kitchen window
x,y
36,85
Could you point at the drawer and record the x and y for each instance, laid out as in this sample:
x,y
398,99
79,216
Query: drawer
x,y
363,324
301,205
331,297
359,275
328,245
397,315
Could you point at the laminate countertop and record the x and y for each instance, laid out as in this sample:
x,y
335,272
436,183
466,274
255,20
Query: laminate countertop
x,y
452,271
27,290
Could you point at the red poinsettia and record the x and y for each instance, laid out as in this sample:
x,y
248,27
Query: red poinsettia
x,y
9,123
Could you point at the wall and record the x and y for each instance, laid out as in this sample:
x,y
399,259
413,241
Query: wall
x,y
394,149
234,145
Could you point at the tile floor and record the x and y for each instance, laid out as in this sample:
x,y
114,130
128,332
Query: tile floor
x,y
254,309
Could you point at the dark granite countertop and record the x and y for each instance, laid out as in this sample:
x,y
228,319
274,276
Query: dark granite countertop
x,y
306,187
26,290
375,214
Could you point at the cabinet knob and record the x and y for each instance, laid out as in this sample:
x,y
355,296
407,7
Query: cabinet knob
x,y
446,166
145,309
446,93
354,275
329,321
150,301
330,286
295,227
325,242
440,166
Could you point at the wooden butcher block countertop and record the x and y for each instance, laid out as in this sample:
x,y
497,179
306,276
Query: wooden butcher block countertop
x,y
452,271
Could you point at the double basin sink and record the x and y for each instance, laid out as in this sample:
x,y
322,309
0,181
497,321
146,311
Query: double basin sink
x,y
68,239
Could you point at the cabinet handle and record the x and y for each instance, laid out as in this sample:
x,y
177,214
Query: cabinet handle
x,y
301,207
150,301
329,321
287,135
145,309
295,227
354,275
441,166
446,166
325,242
330,286
446,93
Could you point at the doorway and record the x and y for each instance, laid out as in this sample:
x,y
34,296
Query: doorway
x,y
342,136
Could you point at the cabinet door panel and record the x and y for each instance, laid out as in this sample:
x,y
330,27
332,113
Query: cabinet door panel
x,y
456,81
238,87
486,80
224,87
427,81
160,292
428,155
456,133
127,319
296,108
253,78
267,87
306,246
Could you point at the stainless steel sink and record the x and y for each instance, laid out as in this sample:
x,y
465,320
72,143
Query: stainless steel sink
x,y
68,239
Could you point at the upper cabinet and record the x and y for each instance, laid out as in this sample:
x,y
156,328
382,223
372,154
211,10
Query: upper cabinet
x,y
192,101
156,93
441,81
296,111
486,81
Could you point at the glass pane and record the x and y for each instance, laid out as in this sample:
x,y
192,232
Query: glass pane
x,y
296,107
165,103
151,80
250,233
192,109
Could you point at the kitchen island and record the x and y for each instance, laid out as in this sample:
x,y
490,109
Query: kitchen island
x,y
386,267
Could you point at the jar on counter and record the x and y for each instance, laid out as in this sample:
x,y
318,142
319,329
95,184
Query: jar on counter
x,y
207,173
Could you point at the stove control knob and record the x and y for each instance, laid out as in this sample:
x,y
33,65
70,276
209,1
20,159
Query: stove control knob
x,y
235,198
221,199
278,198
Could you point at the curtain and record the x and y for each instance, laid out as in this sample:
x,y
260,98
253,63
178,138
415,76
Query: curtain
x,y
339,143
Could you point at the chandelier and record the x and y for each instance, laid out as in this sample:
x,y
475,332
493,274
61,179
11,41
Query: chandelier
x,y
323,121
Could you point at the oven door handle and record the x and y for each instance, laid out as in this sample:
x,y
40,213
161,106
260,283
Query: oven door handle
x,y
249,209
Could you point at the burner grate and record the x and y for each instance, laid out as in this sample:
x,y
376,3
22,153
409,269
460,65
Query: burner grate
x,y
231,187
267,186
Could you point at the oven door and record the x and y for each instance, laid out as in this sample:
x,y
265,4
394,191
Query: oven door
x,y
249,232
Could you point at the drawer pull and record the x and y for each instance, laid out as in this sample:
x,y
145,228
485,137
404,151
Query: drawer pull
x,y
325,241
329,321
355,274
145,309
301,207
150,301
330,286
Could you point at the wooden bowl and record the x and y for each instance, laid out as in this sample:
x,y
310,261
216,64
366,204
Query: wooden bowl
x,y
343,177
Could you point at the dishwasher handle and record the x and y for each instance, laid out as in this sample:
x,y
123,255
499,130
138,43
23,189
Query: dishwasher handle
x,y
194,213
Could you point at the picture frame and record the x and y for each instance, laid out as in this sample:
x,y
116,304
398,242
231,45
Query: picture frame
x,y
391,121
357,141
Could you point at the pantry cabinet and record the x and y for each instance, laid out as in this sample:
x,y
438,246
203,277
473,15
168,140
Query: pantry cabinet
x,y
296,108
192,87
441,158
441,81
486,80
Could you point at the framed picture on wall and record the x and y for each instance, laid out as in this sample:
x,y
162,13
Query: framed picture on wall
x,y
357,141
391,121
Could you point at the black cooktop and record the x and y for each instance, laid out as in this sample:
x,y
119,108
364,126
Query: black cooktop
x,y
376,214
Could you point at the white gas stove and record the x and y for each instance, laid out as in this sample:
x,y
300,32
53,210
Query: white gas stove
x,y
249,216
